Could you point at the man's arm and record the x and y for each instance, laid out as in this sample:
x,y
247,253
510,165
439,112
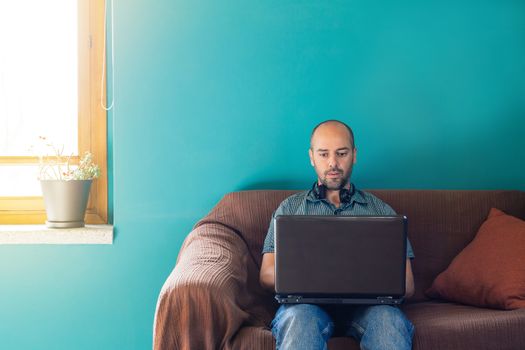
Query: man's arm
x,y
409,284
267,273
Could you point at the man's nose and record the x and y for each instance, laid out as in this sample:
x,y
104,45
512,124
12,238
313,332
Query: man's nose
x,y
332,161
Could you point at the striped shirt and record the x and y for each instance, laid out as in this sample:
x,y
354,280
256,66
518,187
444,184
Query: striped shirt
x,y
305,203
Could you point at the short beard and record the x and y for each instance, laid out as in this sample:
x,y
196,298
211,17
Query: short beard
x,y
331,187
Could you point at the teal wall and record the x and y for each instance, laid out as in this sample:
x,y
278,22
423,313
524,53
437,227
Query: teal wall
x,y
219,96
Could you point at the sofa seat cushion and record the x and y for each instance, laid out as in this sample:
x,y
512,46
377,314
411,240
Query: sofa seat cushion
x,y
443,325
438,326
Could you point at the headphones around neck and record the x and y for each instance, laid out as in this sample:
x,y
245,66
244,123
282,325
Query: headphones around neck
x,y
319,192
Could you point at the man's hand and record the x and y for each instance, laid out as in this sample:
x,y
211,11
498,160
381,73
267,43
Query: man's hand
x,y
409,284
267,274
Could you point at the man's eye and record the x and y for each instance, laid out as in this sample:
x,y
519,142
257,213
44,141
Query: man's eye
x,y
342,154
323,154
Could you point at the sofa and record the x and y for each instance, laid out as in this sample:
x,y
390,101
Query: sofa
x,y
212,299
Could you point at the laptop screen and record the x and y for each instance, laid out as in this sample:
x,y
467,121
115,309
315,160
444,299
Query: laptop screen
x,y
352,256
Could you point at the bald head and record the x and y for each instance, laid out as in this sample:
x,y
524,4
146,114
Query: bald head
x,y
331,128
333,154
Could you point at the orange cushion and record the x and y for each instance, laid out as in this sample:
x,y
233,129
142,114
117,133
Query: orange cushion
x,y
490,271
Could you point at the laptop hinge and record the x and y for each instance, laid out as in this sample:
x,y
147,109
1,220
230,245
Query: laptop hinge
x,y
290,298
384,299
297,298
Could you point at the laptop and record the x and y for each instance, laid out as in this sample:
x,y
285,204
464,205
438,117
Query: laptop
x,y
340,259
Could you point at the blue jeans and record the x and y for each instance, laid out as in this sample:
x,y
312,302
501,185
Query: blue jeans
x,y
307,326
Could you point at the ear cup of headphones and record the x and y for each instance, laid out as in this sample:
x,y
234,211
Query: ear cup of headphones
x,y
345,195
318,190
321,190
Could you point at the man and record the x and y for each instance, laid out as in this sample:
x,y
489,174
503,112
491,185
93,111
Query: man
x,y
307,326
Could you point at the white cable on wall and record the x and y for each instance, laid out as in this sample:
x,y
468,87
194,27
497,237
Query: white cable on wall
x,y
107,108
102,102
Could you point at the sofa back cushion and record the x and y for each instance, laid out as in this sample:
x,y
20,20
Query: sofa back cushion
x,y
440,222
248,213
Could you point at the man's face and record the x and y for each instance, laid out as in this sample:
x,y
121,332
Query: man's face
x,y
332,155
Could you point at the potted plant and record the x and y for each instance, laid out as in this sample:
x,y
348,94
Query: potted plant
x,y
65,187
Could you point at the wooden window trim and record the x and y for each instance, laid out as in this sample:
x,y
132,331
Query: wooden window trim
x,y
92,125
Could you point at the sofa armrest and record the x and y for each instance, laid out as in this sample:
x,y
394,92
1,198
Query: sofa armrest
x,y
201,305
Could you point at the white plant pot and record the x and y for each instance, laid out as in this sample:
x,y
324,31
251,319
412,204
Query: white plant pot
x,y
66,202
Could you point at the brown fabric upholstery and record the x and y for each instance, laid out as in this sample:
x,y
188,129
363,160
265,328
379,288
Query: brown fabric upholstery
x,y
442,325
212,291
248,214
439,326
212,299
441,223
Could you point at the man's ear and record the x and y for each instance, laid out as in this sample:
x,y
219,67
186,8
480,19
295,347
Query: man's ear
x,y
311,155
355,155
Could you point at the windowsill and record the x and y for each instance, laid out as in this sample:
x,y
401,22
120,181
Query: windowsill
x,y
40,234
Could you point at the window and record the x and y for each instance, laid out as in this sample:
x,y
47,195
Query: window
x,y
51,56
